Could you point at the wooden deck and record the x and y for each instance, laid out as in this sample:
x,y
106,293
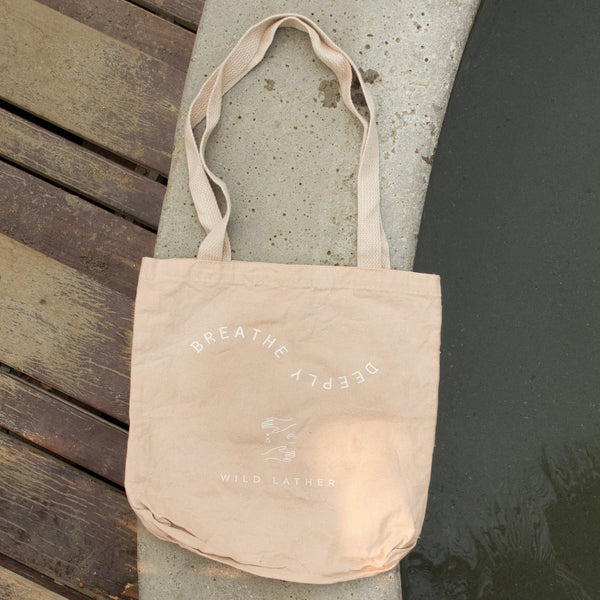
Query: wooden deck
x,y
90,93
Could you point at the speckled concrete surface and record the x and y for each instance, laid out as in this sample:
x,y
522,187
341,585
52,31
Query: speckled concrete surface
x,y
168,572
288,150
287,147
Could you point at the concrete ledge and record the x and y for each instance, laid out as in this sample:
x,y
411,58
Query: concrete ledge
x,y
288,150
170,572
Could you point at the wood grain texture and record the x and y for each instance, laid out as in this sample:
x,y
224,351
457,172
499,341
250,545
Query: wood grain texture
x,y
64,429
80,170
186,12
133,25
40,579
15,587
71,230
64,328
65,523
88,83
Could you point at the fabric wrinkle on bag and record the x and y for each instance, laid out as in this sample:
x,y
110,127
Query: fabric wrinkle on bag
x,y
282,417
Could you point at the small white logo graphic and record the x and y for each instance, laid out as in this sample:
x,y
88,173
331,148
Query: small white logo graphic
x,y
280,439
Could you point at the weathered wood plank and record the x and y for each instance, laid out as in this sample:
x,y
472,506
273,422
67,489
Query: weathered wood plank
x,y
64,523
71,230
64,328
70,432
80,170
40,579
134,26
88,83
15,587
186,12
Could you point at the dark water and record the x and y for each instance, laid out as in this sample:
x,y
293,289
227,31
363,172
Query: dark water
x,y
536,539
512,224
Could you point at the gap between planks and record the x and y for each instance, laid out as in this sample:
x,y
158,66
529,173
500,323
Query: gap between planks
x,y
78,169
20,579
184,12
62,428
62,226
65,523
132,25
88,83
65,329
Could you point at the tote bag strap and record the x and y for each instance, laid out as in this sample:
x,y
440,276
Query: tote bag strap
x,y
372,250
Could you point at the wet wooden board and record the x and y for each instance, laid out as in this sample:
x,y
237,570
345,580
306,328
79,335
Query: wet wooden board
x,y
47,583
80,170
15,587
64,328
88,83
64,429
71,230
64,523
186,12
133,25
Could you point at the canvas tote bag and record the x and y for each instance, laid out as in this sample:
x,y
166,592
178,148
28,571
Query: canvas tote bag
x,y
283,416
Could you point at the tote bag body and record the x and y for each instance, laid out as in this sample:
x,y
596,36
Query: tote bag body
x,y
283,416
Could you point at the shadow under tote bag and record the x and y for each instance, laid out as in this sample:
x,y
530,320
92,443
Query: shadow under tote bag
x,y
283,416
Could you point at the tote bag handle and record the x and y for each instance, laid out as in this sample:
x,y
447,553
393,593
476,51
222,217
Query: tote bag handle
x,y
372,246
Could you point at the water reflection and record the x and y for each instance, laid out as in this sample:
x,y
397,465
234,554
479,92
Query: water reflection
x,y
536,541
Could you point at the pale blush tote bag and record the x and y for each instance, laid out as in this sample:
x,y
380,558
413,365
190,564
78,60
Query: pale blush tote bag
x,y
283,416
